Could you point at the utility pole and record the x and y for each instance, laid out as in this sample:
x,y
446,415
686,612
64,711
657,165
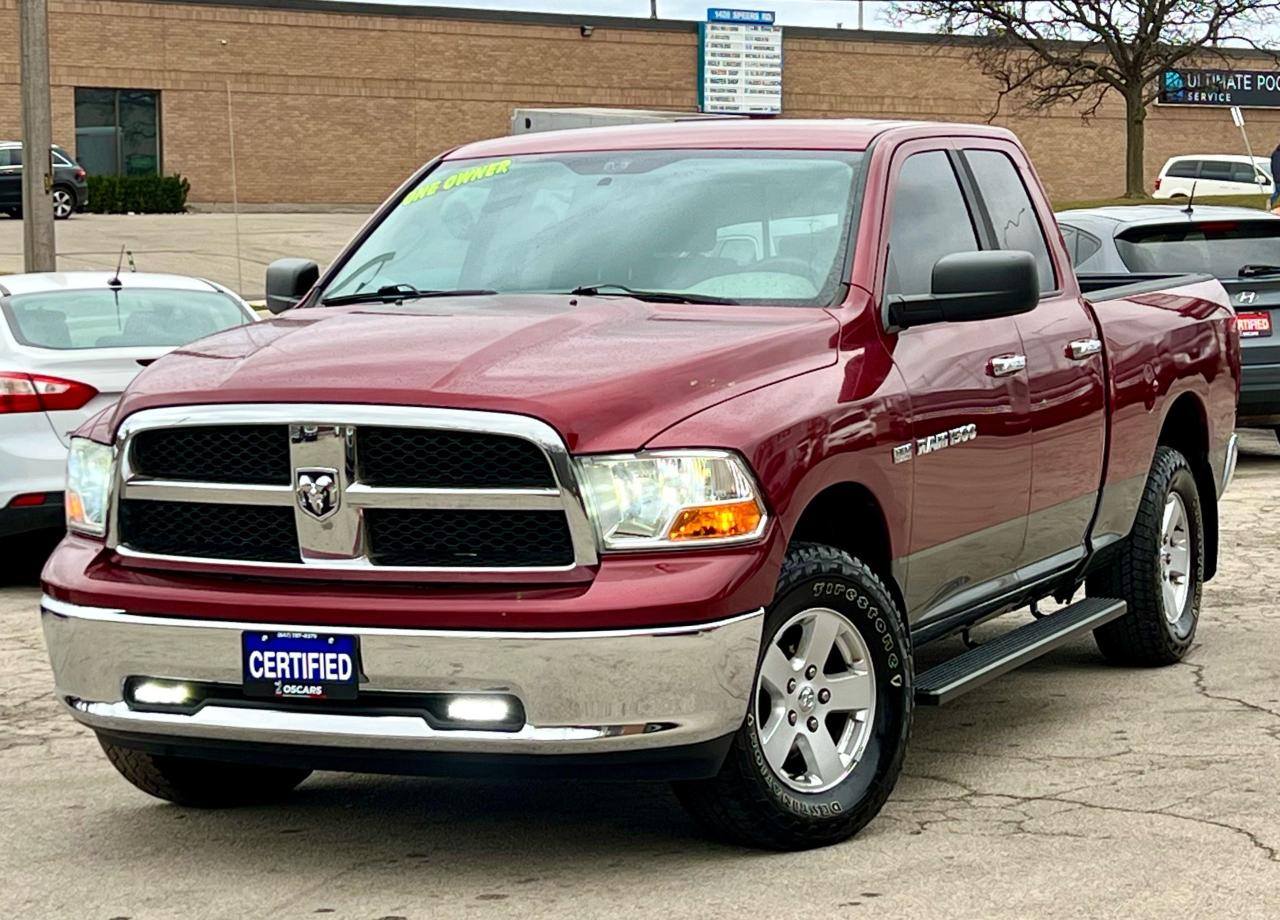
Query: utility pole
x,y
235,191
39,253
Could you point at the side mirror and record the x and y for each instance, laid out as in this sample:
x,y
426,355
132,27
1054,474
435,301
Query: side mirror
x,y
288,280
970,286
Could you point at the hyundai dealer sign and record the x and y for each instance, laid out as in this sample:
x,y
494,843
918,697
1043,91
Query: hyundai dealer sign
x,y
740,63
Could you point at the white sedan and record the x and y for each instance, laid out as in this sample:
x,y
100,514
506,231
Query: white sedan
x,y
70,342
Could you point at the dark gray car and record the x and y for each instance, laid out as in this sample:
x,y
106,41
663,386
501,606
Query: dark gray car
x,y
70,187
1238,246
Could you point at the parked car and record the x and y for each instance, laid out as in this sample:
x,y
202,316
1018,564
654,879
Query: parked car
x,y
70,342
70,192
1213,174
535,479
1238,246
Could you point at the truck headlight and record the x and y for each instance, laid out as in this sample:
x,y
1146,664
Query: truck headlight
x,y
88,485
669,499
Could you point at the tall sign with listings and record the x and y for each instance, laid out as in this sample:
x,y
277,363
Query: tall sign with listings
x,y
740,63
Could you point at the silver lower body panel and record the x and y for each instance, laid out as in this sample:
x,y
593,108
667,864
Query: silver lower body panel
x,y
582,692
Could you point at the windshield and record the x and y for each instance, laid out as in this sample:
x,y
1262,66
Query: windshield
x,y
1220,248
105,318
741,226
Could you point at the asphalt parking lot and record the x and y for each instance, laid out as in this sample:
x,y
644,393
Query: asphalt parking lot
x,y
1069,789
190,244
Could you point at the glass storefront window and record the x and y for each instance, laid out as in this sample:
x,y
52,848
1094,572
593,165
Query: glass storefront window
x,y
118,131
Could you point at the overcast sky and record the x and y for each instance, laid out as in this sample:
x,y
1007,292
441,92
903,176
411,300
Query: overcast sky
x,y
828,13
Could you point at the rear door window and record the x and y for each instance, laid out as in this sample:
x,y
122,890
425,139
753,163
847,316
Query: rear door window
x,y
1081,244
1220,248
1013,216
66,320
1216,170
10,156
1087,245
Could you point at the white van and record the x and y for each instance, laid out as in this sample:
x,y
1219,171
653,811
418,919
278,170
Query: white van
x,y
1214,174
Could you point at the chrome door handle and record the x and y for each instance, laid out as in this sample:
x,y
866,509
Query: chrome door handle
x,y
1007,365
1083,348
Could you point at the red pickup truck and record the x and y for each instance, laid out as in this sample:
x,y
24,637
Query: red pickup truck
x,y
649,452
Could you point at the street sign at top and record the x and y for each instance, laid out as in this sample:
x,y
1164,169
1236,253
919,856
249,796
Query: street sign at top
x,y
740,63
750,17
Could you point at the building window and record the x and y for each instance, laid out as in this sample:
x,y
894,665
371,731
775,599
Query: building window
x,y
118,131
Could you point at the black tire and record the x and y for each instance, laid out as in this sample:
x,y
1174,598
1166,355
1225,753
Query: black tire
x,y
202,783
1146,635
748,802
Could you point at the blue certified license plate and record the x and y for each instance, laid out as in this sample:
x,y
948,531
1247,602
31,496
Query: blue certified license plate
x,y
300,665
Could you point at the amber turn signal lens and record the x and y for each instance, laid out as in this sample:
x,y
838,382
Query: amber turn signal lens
x,y
738,519
75,507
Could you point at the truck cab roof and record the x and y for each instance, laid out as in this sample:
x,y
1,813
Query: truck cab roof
x,y
780,134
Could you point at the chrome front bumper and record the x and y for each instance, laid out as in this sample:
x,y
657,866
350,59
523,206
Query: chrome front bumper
x,y
583,692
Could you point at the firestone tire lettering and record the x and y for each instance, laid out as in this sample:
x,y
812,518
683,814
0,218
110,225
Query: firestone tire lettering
x,y
747,802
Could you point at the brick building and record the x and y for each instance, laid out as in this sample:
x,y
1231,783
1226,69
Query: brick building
x,y
336,104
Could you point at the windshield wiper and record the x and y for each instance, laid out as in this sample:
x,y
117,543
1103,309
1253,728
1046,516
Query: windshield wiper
x,y
393,293
1253,271
595,290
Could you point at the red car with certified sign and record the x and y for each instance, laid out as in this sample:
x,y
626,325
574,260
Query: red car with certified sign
x,y
651,453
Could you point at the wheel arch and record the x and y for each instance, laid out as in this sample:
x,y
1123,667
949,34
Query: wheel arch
x,y
848,516
1186,429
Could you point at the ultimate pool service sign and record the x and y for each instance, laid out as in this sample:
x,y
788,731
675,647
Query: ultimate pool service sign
x,y
740,64
1258,89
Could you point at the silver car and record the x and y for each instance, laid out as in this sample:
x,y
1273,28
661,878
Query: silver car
x,y
70,342
1238,246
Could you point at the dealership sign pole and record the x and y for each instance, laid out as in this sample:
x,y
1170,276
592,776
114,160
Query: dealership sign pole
x,y
1237,118
39,253
235,191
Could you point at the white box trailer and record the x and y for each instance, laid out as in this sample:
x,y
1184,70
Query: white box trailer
x,y
526,121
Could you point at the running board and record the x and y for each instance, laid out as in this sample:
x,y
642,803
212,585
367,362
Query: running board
x,y
944,682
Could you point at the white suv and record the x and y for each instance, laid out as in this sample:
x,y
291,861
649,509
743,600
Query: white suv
x,y
1214,174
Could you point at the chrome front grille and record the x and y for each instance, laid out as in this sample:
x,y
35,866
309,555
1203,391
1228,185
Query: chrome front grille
x,y
343,487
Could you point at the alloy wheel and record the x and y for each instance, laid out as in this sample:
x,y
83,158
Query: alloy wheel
x,y
815,700
62,203
1175,557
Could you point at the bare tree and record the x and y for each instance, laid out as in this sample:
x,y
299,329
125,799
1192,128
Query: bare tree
x,y
1079,51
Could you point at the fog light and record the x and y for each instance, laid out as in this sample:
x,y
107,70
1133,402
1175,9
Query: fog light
x,y
161,693
478,709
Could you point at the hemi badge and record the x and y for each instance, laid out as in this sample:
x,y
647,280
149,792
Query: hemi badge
x,y
902,453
